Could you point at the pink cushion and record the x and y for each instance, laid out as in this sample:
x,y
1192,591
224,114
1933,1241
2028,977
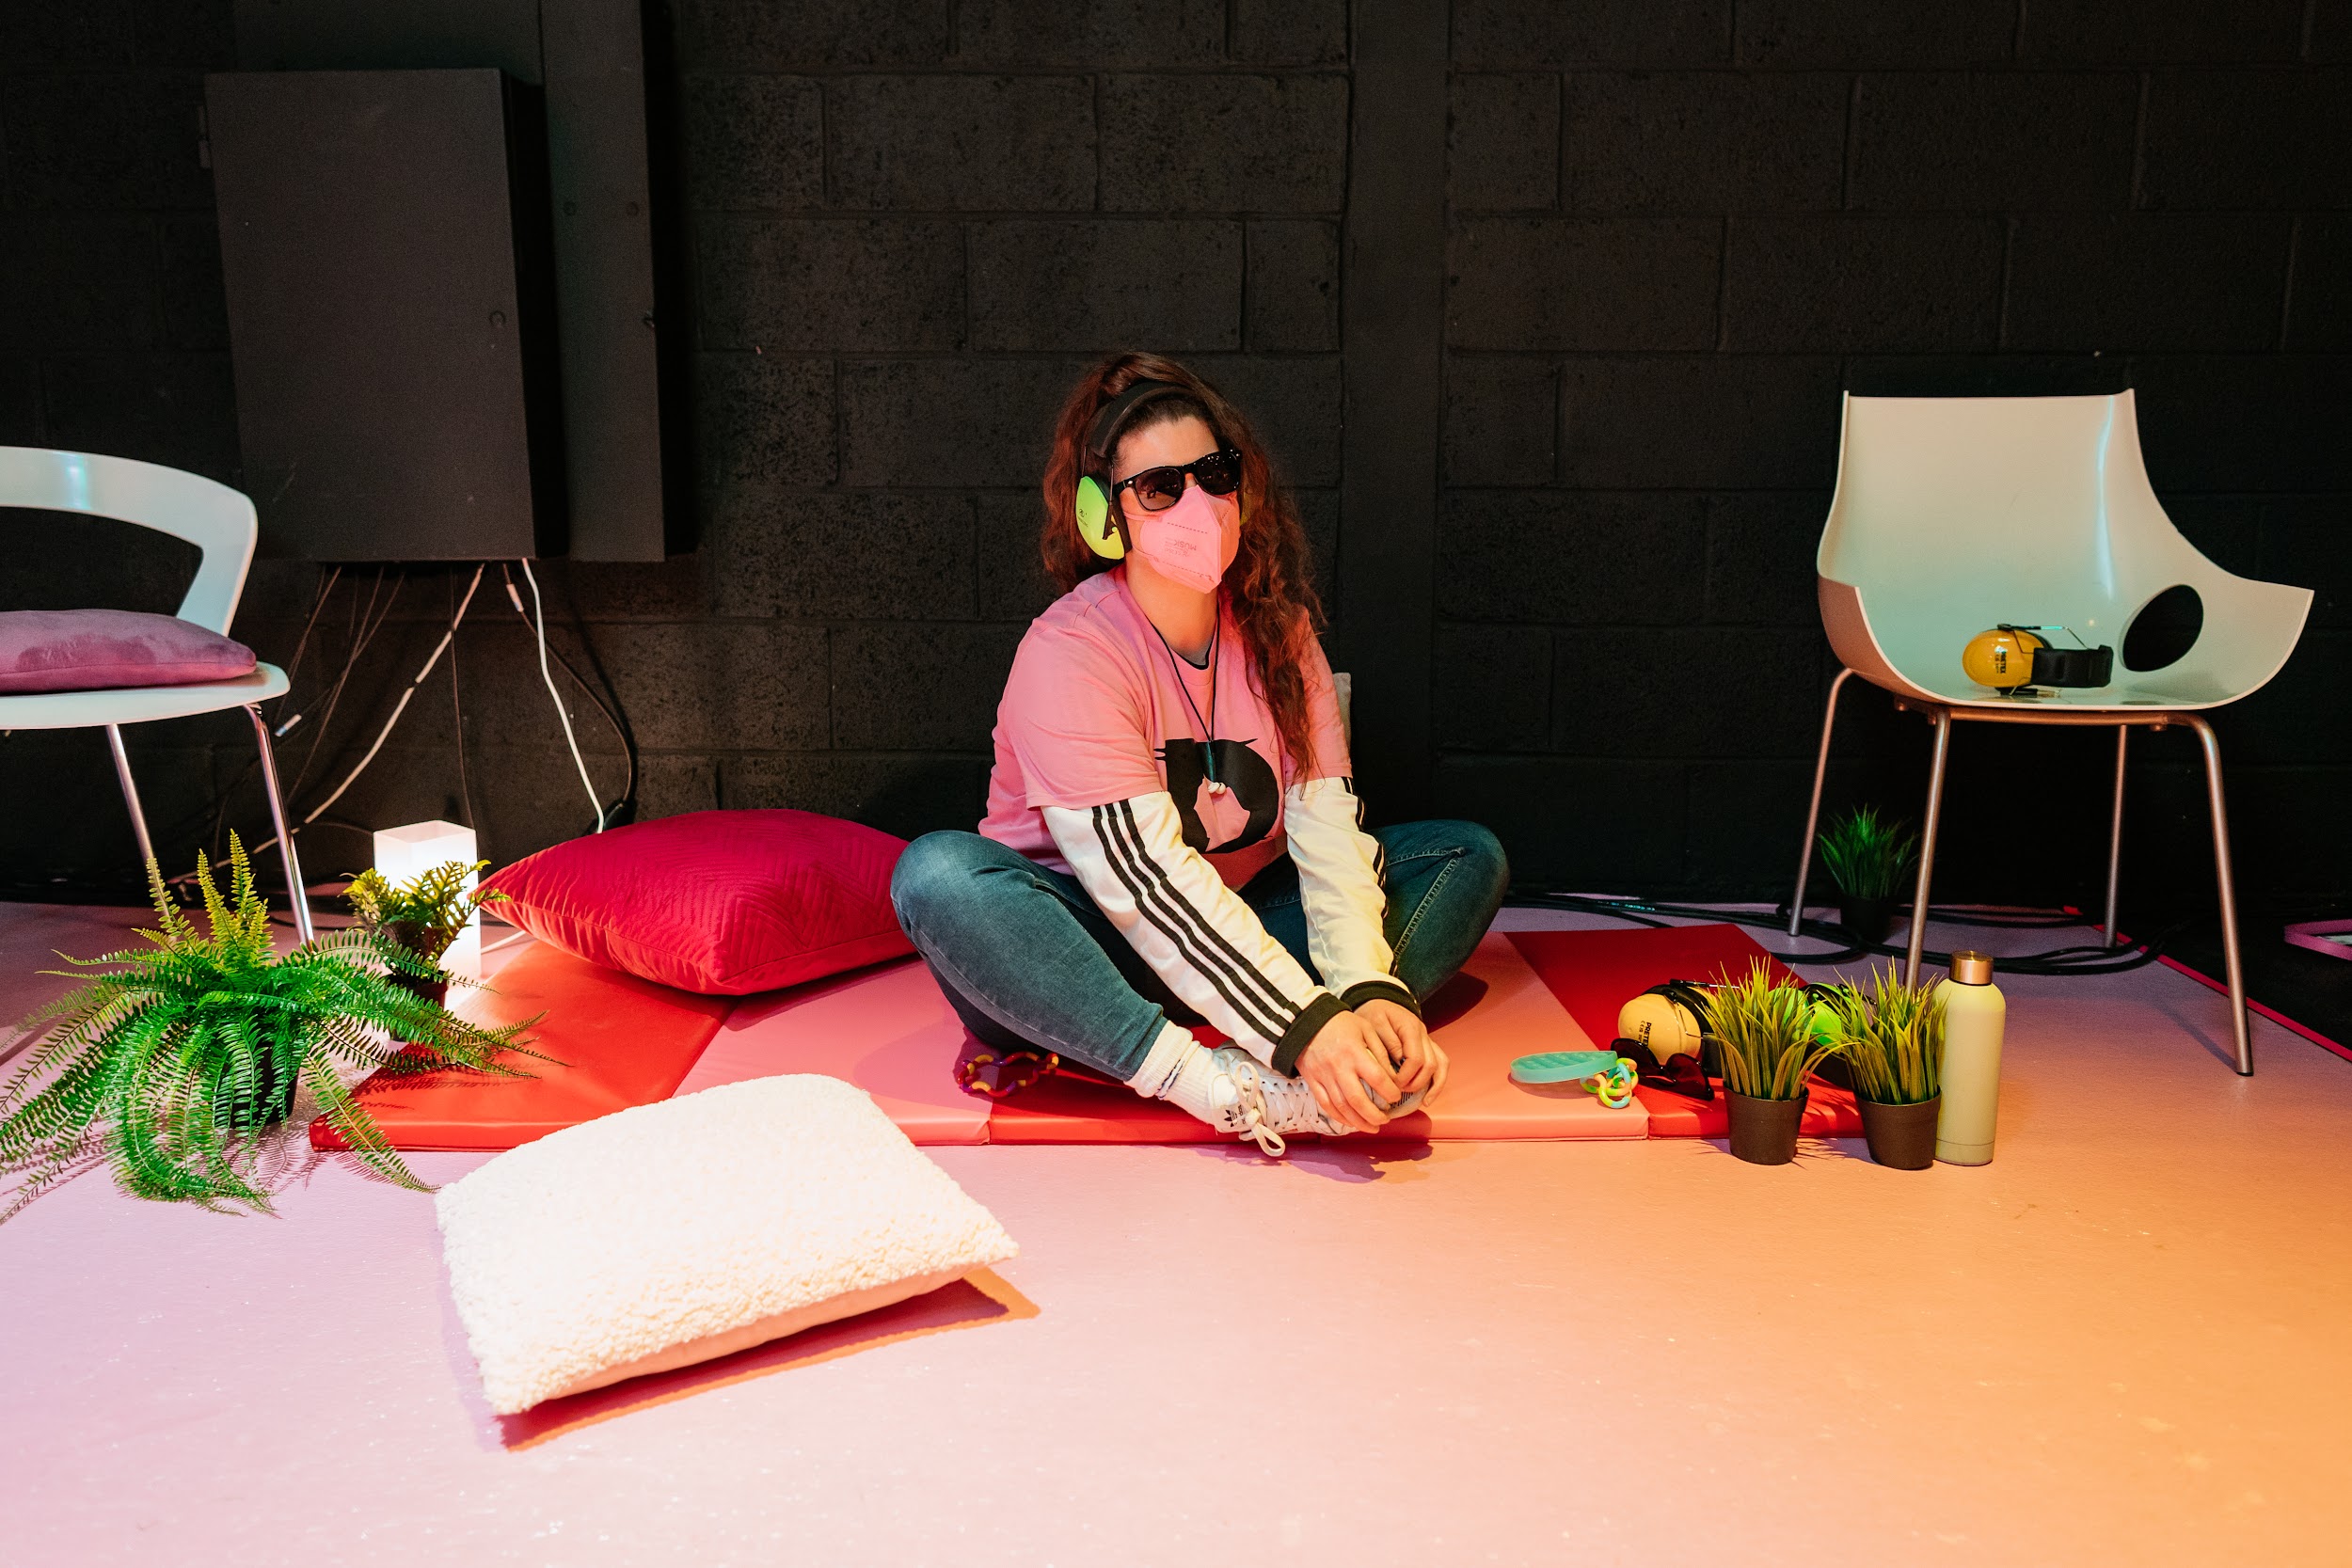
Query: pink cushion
x,y
88,650
721,902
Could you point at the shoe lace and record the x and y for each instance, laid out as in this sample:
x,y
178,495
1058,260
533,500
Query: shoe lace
x,y
1293,1104
1249,1087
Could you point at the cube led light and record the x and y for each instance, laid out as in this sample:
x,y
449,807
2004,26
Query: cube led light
x,y
403,854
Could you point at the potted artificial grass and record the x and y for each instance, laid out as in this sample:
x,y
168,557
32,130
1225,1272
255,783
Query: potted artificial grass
x,y
1894,1042
173,1059
1868,858
1769,1044
422,915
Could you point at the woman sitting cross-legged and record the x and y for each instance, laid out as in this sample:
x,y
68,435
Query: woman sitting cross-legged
x,y
1172,834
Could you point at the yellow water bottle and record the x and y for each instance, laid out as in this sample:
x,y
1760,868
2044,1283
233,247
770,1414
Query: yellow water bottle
x,y
1973,1015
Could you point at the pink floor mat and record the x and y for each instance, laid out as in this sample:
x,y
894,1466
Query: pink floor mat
x,y
886,1029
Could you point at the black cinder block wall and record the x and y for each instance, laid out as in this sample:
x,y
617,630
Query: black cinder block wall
x,y
1648,247
1677,231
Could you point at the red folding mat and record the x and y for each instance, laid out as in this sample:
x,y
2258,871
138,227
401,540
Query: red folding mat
x,y
890,1032
613,1041
1593,974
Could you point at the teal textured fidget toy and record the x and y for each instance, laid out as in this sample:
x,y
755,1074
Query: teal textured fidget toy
x,y
1610,1076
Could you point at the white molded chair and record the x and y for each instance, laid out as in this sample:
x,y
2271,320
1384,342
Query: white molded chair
x,y
220,523
1954,514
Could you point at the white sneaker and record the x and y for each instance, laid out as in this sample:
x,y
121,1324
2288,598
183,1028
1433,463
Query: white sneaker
x,y
1252,1099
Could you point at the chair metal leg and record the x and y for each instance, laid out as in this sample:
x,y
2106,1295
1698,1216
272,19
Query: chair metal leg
x,y
2115,829
130,794
2229,891
1943,720
1813,811
296,893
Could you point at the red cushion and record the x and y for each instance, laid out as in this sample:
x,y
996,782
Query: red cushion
x,y
90,650
721,902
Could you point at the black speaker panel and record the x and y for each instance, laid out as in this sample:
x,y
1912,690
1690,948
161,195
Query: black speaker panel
x,y
386,250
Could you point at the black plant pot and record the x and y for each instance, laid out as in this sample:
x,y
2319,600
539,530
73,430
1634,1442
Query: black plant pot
x,y
1902,1137
432,991
1866,920
270,1103
1764,1131
436,992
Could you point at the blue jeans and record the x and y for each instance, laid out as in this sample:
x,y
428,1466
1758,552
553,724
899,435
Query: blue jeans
x,y
1029,961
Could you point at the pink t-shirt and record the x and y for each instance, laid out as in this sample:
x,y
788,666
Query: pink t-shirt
x,y
1095,711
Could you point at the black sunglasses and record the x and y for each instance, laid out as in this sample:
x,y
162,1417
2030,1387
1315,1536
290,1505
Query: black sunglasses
x,y
1158,489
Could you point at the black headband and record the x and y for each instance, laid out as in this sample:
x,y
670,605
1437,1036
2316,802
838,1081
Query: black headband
x,y
1102,434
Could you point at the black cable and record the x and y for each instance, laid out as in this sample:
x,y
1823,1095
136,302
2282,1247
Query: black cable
x,y
621,731
293,673
362,629
457,713
363,634
615,715
2094,960
302,643
1625,909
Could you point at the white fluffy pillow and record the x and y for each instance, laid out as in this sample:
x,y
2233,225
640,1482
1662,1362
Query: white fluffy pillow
x,y
671,1233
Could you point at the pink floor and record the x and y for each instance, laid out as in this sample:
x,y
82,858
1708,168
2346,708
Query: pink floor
x,y
2124,1342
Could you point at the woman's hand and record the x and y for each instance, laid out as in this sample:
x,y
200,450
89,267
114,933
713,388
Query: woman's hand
x,y
1420,1061
1345,1065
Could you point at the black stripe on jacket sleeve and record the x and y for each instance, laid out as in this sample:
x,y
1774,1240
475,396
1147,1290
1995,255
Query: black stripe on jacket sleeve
x,y
1302,1032
1241,968
1149,904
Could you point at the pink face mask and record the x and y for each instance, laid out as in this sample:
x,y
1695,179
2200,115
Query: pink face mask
x,y
1192,542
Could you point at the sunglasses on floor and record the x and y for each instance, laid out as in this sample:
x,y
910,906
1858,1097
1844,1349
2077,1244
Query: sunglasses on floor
x,y
1681,1072
1157,489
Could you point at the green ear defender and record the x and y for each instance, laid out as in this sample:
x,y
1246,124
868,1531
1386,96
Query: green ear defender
x,y
1101,531
1099,523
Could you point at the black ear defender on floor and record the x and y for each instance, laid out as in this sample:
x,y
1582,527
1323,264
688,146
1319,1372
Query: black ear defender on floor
x,y
2011,658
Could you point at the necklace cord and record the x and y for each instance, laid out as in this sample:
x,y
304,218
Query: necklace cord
x,y
1216,635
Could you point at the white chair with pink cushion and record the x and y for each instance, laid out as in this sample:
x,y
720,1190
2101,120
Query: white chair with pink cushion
x,y
53,680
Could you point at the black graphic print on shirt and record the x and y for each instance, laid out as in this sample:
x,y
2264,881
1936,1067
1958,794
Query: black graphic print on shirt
x,y
1241,769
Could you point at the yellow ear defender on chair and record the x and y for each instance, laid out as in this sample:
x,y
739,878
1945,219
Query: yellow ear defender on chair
x,y
2008,658
1099,522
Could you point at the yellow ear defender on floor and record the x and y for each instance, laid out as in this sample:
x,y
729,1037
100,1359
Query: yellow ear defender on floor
x,y
1674,1019
2008,658
1668,1020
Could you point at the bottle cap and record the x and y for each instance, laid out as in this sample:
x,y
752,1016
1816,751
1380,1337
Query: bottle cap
x,y
1972,969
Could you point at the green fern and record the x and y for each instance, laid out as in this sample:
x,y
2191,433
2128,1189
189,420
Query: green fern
x,y
1867,856
1765,1035
1894,1037
169,1061
424,914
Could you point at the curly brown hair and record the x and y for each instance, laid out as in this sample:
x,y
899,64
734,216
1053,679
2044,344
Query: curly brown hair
x,y
1269,586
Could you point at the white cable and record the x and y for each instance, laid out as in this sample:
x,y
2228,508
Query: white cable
x,y
401,706
539,629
